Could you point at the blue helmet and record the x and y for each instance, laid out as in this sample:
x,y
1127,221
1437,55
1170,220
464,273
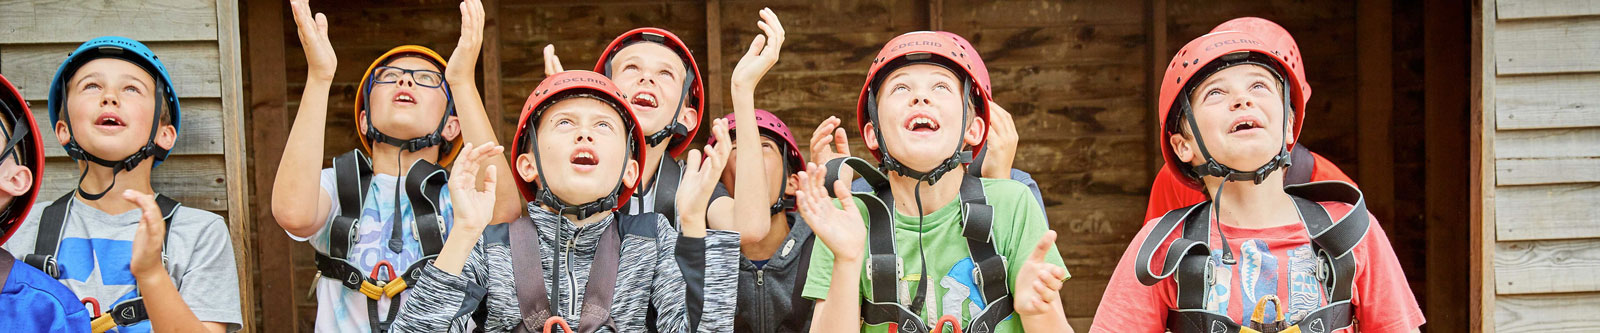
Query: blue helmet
x,y
138,54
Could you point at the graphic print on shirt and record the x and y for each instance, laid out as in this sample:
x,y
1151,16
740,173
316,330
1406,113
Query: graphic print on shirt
x,y
960,291
1305,293
81,259
1258,277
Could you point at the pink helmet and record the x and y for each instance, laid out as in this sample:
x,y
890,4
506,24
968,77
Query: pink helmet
x,y
770,124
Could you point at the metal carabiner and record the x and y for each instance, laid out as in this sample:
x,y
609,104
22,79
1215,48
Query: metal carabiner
x,y
951,320
554,322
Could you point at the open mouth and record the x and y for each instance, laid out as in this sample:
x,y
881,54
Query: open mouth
x,y
584,159
109,120
921,123
1245,124
404,98
644,99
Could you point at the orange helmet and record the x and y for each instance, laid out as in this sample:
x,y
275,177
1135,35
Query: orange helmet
x,y
930,48
693,90
559,87
23,140
364,90
1274,34
1192,64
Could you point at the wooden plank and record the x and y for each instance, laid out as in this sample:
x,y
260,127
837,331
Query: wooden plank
x,y
1555,313
715,80
1375,169
196,181
1558,143
493,106
1160,56
241,224
45,21
1548,101
1523,9
1562,45
201,135
193,66
1554,266
264,44
1547,171
1547,211
1482,230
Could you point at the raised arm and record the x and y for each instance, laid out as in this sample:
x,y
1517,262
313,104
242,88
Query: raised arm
x,y
748,213
475,126
298,182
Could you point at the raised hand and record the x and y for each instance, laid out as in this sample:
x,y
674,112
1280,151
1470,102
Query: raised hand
x,y
473,208
313,31
828,141
149,237
840,228
464,60
1038,285
552,64
763,52
1001,143
700,177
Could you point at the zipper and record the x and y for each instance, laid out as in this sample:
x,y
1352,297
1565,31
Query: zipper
x,y
572,281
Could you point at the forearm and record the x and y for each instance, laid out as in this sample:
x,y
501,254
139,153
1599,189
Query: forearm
x,y
1052,321
456,249
478,130
843,312
752,218
297,182
168,312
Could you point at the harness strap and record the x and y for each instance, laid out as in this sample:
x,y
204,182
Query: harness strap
x,y
352,176
535,302
1301,166
666,188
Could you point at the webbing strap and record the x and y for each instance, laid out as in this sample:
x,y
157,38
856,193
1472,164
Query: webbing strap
x,y
535,302
352,176
666,188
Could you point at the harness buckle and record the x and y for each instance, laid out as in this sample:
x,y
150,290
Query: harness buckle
x,y
950,320
1258,318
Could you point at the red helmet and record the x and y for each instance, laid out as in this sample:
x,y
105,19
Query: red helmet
x,y
769,123
919,47
1205,55
693,88
30,153
980,72
559,87
1274,34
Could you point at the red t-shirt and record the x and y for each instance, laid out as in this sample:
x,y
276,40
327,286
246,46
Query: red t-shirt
x,y
1167,193
1276,261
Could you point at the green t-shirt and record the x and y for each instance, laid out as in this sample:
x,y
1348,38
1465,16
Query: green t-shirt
x,y
1018,225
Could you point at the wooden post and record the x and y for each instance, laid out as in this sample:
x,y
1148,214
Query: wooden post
x,y
935,15
1481,295
715,89
493,105
1445,127
268,95
1375,106
240,220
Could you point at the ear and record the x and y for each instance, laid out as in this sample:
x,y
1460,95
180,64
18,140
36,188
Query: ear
x,y
1180,147
869,134
63,134
1288,131
791,184
689,118
452,128
167,137
526,167
630,172
361,123
15,180
975,131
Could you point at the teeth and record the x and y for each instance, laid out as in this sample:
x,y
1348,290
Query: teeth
x,y
404,98
922,121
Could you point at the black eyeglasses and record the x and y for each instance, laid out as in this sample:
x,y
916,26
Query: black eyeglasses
x,y
422,77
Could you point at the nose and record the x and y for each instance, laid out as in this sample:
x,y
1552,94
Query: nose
x,y
407,80
109,98
584,136
1240,101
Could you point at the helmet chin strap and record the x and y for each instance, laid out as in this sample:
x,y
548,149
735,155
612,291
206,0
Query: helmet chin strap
x,y
150,149
374,136
1212,168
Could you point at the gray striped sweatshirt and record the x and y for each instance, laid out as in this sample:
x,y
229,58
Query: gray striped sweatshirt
x,y
663,276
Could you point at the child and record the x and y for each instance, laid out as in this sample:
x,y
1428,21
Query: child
x,y
413,113
143,264
1228,101
576,262
35,302
1168,193
962,228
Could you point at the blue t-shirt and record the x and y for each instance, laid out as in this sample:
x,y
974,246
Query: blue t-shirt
x,y
34,302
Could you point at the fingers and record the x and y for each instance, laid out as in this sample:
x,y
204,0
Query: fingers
x,y
841,144
1043,247
841,190
552,64
150,212
821,135
770,24
756,44
490,180
322,26
695,160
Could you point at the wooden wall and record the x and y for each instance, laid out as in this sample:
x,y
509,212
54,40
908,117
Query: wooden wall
x,y
197,40
1541,75
1079,77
